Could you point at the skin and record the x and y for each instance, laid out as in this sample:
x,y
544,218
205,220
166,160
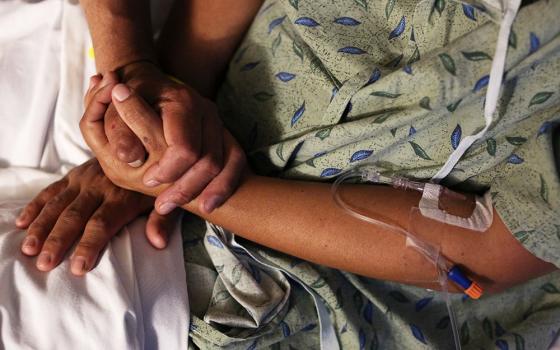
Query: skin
x,y
183,109
84,206
193,52
307,223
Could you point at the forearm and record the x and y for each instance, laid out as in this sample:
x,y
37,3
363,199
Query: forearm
x,y
121,32
301,219
200,37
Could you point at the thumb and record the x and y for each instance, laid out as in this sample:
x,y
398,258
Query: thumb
x,y
139,116
159,227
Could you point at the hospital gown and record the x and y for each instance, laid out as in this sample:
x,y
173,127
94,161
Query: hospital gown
x,y
317,87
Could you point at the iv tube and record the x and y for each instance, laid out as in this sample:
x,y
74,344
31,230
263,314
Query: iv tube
x,y
429,251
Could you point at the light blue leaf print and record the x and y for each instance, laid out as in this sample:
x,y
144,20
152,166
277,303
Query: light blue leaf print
x,y
499,330
253,346
334,92
422,303
535,43
443,323
468,10
362,339
417,333
407,69
515,159
347,21
285,76
399,29
375,75
502,344
298,114
360,155
456,136
368,312
295,4
398,296
309,327
352,50
249,66
215,241
330,172
306,21
411,131
285,329
275,23
481,83
419,151
544,128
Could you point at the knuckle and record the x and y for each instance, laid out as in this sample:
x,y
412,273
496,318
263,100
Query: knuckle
x,y
72,214
98,224
37,228
56,241
210,167
90,244
186,154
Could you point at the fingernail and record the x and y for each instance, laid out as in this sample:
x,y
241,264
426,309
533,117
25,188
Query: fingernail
x,y
166,208
152,183
21,219
159,242
213,203
78,266
137,163
121,92
92,81
29,244
44,261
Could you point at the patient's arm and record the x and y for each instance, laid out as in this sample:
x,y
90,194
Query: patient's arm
x,y
301,219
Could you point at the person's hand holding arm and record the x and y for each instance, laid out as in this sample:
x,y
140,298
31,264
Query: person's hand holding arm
x,y
192,50
301,219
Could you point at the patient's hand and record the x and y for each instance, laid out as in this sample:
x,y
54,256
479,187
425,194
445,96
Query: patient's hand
x,y
193,133
83,206
200,181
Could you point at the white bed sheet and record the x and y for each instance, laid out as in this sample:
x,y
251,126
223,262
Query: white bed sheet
x,y
136,298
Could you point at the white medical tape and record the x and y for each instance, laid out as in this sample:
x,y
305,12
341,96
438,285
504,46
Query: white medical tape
x,y
480,219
